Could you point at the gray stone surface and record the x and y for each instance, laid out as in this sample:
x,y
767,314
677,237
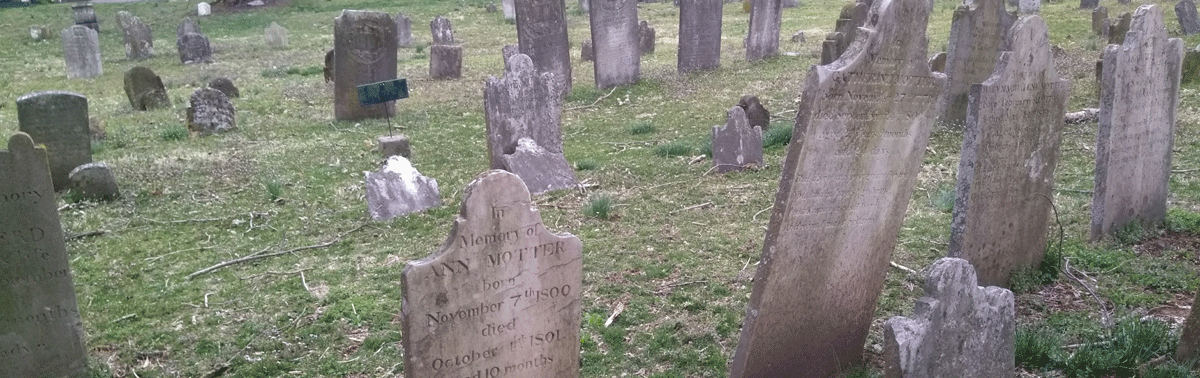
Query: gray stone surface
x,y
976,40
521,105
145,89
43,336
81,51
507,52
541,170
39,33
194,48
542,35
864,122
403,30
1118,28
328,70
1138,96
937,62
958,329
394,145
398,189
509,8
756,113
586,53
226,86
1189,338
1185,13
699,35
790,3
645,38
85,15
1029,7
615,42
139,40
203,9
1009,154
737,145
762,40
210,112
94,181
585,5
1088,4
443,33
189,25
445,62
58,120
276,36
845,29
364,45
1100,21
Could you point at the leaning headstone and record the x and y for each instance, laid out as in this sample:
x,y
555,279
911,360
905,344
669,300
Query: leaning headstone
x,y
862,127
329,66
443,33
521,105
39,33
1189,337
81,51
1100,21
699,35
58,120
756,113
85,15
94,181
1140,91
1189,21
509,9
398,189
145,89
502,295
762,40
541,170
43,336
937,63
615,42
1029,7
194,48
188,25
1088,4
364,45
226,86
1118,28
139,41
645,38
445,62
395,145
958,329
845,29
976,40
586,53
277,36
203,9
210,112
542,35
1009,154
737,145
403,30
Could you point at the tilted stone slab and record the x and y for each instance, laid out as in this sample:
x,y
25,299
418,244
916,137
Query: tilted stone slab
x,y
542,35
977,35
145,89
699,35
403,31
762,39
737,145
398,189
95,181
58,120
364,45
614,28
194,48
139,40
521,105
541,170
1189,20
81,51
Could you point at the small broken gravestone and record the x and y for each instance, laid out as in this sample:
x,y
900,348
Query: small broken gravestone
x,y
394,145
81,51
94,181
958,329
203,9
139,41
42,333
145,89
851,17
541,170
194,48
39,32
364,44
645,38
737,145
398,189
328,66
210,112
502,296
699,35
585,51
976,40
937,63
443,33
403,30
226,86
277,36
518,105
1118,28
614,27
762,39
58,120
755,112
1189,21
1100,21
445,62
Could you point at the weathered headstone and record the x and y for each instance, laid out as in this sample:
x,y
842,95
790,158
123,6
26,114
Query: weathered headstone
x,y
1088,4
1009,154
501,297
1189,21
85,15
542,35
737,145
403,30
145,89
58,120
188,25
194,48
328,66
276,36
203,9
507,52
699,35
756,113
39,32
443,33
1029,7
1118,28
645,38
210,112
509,9
541,170
1100,21
445,62
615,42
937,62
226,86
1189,338
398,189
958,329
81,51
861,130
395,145
976,40
94,181
586,53
521,105
762,40
139,41
790,3
1140,91
491,7
43,336
845,29
364,45
798,37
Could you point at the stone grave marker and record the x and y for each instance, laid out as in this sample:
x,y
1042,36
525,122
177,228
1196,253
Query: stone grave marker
x,y
1029,7
1118,28
81,51
445,62
585,5
1100,21
615,42
94,181
398,189
1088,4
958,329
851,17
210,112
645,38
394,145
937,63
328,66
226,86
737,145
403,31
203,9
1189,21
586,53
521,105
798,37
507,52
39,32
862,127
501,297
762,40
755,111
85,15
1189,338
491,7
276,36
509,8
1138,96
976,40
364,52
194,48
139,40
443,33
58,120
1009,154
542,35
43,336
541,170
188,25
699,35
145,89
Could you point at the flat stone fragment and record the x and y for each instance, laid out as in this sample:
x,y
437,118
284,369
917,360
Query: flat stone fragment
x,y
145,89
614,26
58,120
976,40
395,145
139,40
445,62
95,181
542,170
521,105
443,33
210,112
364,45
699,35
276,36
957,329
226,86
81,51
737,145
194,48
501,297
403,31
42,335
398,189
762,40
542,35
1189,21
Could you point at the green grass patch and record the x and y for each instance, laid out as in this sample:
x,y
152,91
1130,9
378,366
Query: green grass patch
x,y
672,149
645,127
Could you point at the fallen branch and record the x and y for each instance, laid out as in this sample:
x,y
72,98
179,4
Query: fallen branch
x,y
690,207
905,269
198,220
256,256
1185,170
1103,309
594,102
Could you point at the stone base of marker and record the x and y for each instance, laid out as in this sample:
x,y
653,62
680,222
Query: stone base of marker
x,y
445,62
737,145
395,145
398,189
94,181
542,171
210,112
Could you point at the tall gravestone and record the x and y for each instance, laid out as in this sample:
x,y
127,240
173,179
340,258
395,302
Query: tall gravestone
x,y
364,45
645,38
194,48
1009,154
189,25
443,33
509,7
976,39
139,41
1189,20
276,36
42,335
58,120
519,105
762,40
403,30
1100,21
845,29
699,35
81,51
861,130
615,42
145,89
542,35
737,145
1138,96
500,298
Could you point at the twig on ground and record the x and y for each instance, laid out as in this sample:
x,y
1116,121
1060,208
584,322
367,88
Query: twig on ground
x,y
905,269
256,256
617,311
690,207
593,103
1104,317
1185,170
197,220
755,217
87,234
130,316
159,257
301,271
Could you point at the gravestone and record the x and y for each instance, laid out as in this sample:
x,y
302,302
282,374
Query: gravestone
x,y
58,120
958,329
364,52
1189,21
403,31
762,40
145,89
509,9
615,42
756,113
501,297
976,40
277,36
937,63
445,62
139,41
43,336
188,25
443,34
1088,4
861,130
81,51
1100,21
585,5
398,189
542,35
203,9
699,35
507,52
194,48
1189,338
1118,28
395,145
94,181
329,66
798,37
645,38
1009,154
39,32
737,145
85,15
521,105
210,112
849,20
790,3
586,53
491,7
541,170
226,86
1140,91
1029,7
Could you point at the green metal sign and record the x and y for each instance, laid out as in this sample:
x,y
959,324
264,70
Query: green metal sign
x,y
381,92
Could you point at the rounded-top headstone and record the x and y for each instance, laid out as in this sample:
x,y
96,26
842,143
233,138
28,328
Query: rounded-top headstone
x,y
211,112
226,86
58,120
94,181
145,89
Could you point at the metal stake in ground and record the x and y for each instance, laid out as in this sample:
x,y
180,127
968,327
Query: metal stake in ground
x,y
381,93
